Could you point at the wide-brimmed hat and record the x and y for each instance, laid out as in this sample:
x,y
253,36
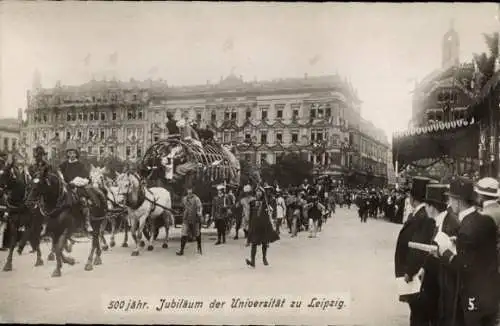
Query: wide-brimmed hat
x,y
418,188
436,194
487,187
462,188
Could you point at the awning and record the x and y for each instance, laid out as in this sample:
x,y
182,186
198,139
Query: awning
x,y
454,139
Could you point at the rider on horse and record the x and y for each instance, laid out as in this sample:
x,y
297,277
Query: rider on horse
x,y
77,176
40,162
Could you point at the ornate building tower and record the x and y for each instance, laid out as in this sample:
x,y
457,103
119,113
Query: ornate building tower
x,y
451,47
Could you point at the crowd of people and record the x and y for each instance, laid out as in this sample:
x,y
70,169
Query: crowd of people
x,y
458,272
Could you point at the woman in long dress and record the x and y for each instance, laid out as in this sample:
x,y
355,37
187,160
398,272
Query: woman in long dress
x,y
260,231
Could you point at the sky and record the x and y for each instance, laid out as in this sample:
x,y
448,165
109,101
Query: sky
x,y
381,48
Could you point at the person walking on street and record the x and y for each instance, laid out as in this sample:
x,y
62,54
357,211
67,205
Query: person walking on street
x,y
261,230
191,221
280,210
245,209
219,214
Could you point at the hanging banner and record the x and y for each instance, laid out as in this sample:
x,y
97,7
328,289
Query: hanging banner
x,y
454,139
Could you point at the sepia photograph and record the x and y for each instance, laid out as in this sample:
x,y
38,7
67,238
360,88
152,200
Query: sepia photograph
x,y
250,163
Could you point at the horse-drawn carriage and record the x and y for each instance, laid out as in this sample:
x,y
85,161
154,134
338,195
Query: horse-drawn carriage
x,y
172,162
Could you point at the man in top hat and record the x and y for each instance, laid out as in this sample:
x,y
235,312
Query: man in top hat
x,y
474,257
408,262
487,196
440,281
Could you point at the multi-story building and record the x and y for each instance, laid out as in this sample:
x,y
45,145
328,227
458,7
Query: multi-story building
x,y
9,134
317,117
445,94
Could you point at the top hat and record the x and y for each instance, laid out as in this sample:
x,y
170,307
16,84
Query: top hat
x,y
487,187
418,188
436,194
461,188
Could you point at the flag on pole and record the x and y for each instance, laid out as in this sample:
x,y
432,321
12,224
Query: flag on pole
x,y
87,60
314,60
113,59
228,45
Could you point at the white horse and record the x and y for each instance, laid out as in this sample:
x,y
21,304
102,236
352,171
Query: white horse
x,y
143,203
115,212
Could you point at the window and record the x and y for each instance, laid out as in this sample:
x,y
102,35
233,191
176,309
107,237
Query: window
x,y
198,116
111,150
295,113
263,157
248,114
114,132
130,133
73,117
233,115
128,151
56,117
263,137
68,117
139,133
319,136
263,113
248,157
91,116
113,116
213,116
140,115
103,116
279,113
79,135
328,111
91,134
102,134
156,138
248,137
14,144
57,135
139,151
279,136
295,136
101,150
68,135
320,112
45,117
89,150
313,112
227,115
80,116
85,117
130,115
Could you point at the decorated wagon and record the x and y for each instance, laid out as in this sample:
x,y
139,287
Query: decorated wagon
x,y
172,163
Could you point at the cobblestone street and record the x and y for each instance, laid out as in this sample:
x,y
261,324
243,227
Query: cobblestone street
x,y
346,257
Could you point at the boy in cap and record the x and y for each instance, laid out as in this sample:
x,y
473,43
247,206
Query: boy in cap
x,y
474,257
418,228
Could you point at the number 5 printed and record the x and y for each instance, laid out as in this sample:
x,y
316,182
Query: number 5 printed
x,y
472,304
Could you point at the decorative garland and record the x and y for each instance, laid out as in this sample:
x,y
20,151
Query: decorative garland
x,y
440,126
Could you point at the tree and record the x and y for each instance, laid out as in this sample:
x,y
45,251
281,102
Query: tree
x,y
292,169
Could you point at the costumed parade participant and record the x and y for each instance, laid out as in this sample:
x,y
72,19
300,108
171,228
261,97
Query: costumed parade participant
x,y
261,230
191,221
219,214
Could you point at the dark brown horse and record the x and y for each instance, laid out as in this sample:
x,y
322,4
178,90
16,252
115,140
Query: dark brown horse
x,y
58,203
14,182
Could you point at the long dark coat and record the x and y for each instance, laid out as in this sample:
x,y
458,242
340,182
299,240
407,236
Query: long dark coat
x,y
418,228
476,263
260,230
448,279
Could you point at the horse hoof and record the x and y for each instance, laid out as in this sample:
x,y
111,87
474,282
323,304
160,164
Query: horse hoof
x,y
51,257
150,248
97,261
7,268
164,246
124,245
105,248
135,253
56,273
142,244
88,267
112,244
69,261
39,262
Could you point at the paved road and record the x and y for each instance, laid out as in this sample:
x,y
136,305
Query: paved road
x,y
346,257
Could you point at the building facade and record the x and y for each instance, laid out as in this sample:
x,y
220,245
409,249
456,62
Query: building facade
x,y
316,117
9,135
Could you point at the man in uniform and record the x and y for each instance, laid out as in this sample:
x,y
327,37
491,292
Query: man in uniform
x,y
474,257
219,214
191,222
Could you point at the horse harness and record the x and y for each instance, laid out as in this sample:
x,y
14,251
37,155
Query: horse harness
x,y
154,202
